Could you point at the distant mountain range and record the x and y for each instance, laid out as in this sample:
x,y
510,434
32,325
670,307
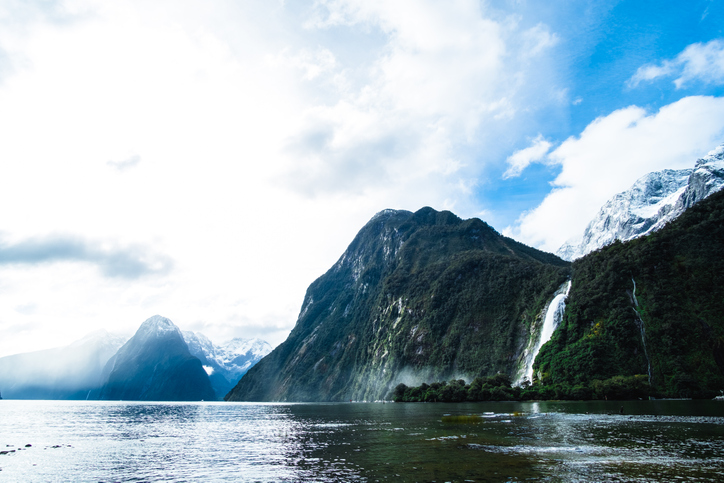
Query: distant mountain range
x,y
225,364
158,363
652,202
71,372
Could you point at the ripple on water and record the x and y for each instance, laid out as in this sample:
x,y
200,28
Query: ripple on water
x,y
74,441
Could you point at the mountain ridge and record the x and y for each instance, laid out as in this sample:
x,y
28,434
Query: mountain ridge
x,y
225,364
398,303
652,201
69,372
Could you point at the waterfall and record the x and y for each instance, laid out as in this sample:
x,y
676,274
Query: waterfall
x,y
642,329
554,314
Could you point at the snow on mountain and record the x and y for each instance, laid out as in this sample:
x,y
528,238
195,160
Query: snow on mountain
x,y
157,326
649,204
249,348
156,365
226,363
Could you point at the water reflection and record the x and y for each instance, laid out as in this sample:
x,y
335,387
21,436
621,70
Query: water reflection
x,y
98,441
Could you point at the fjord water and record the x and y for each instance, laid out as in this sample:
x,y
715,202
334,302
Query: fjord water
x,y
548,441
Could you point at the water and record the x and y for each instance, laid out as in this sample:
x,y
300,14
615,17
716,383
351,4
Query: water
x,y
551,441
554,314
642,329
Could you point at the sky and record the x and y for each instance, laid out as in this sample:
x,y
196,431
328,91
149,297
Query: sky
x,y
208,160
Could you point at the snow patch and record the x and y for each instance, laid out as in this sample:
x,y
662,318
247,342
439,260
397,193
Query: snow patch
x,y
652,202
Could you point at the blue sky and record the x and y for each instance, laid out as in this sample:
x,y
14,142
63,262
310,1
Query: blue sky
x,y
602,45
206,161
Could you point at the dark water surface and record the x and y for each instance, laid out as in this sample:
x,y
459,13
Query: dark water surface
x,y
546,441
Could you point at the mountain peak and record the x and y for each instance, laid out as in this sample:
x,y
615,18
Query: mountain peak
x,y
156,365
654,200
716,154
414,295
158,326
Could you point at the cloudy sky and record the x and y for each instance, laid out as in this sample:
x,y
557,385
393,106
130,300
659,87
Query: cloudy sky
x,y
207,160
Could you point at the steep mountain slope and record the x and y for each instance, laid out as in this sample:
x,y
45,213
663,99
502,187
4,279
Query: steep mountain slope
x,y
416,296
70,372
652,306
156,365
225,364
649,204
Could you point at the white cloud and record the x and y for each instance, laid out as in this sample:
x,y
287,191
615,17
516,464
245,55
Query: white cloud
x,y
610,154
440,86
699,61
520,159
312,63
265,146
538,39
124,164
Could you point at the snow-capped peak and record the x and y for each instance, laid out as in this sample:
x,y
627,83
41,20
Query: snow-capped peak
x,y
652,201
248,347
158,326
231,359
716,154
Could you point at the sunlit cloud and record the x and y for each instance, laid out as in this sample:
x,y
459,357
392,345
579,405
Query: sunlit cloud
x,y
519,160
609,155
227,153
702,62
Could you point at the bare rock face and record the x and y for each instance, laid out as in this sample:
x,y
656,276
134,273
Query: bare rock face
x,y
652,202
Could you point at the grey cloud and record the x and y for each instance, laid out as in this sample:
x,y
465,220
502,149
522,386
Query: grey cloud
x,y
129,262
325,168
125,164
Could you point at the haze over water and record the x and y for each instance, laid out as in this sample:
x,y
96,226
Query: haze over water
x,y
553,441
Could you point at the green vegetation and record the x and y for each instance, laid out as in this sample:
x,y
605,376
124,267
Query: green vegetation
x,y
679,276
422,293
498,388
428,296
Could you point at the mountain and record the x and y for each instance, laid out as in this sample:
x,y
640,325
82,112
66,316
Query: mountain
x,y
156,365
225,364
70,372
652,202
416,296
650,308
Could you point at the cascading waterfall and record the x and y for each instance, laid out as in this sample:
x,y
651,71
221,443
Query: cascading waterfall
x,y
640,322
554,314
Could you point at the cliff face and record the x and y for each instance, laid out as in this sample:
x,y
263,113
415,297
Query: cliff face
x,y
651,306
155,365
416,296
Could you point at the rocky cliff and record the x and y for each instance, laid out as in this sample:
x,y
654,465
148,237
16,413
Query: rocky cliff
x,y
416,296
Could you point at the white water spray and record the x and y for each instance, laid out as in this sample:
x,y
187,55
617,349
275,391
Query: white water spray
x,y
554,314
642,328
